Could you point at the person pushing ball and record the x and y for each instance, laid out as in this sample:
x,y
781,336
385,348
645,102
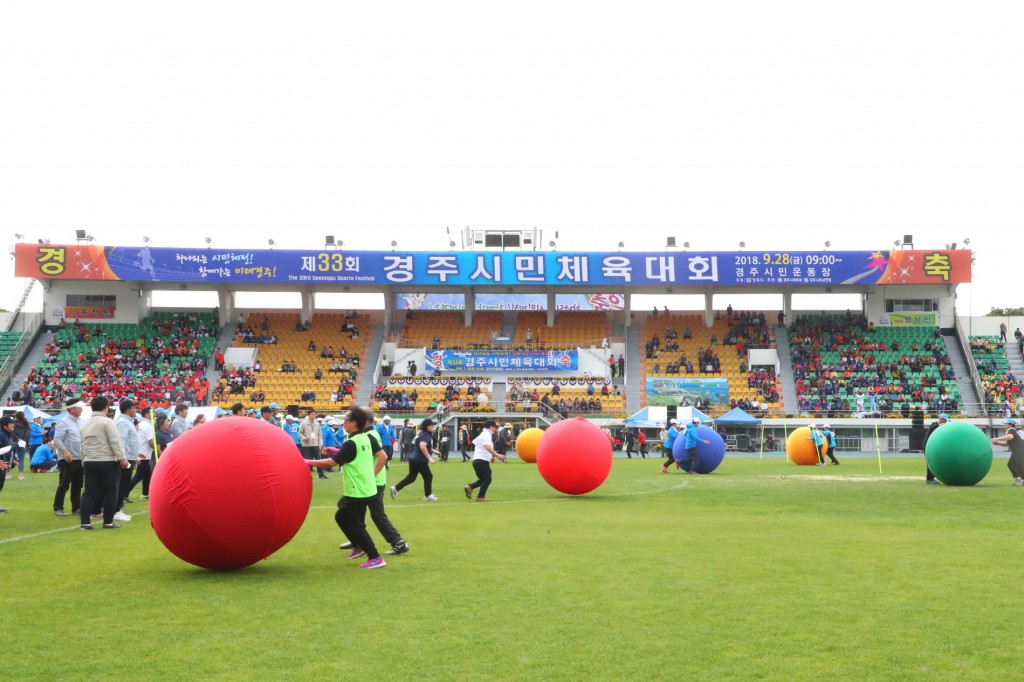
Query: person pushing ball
x,y
1015,442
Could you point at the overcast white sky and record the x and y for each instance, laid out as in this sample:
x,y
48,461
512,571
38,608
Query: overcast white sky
x,y
782,124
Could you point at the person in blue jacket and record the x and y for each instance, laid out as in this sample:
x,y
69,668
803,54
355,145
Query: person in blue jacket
x,y
819,443
327,435
387,436
692,439
830,442
43,459
670,439
291,427
35,437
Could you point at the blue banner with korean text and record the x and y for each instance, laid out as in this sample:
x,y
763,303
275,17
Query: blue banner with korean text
x,y
414,269
499,360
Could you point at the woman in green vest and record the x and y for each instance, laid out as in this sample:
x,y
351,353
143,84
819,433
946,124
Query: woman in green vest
x,y
361,466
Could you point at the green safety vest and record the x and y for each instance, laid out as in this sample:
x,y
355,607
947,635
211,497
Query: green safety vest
x,y
359,478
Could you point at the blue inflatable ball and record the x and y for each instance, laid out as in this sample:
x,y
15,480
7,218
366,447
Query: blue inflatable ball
x,y
710,455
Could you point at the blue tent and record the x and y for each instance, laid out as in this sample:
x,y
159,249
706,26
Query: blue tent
x,y
737,417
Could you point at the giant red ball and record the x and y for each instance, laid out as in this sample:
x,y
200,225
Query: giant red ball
x,y
574,456
229,493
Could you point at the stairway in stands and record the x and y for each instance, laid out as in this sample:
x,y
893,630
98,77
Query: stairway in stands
x,y
786,379
634,371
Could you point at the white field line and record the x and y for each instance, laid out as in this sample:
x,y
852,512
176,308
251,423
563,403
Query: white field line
x,y
56,530
681,485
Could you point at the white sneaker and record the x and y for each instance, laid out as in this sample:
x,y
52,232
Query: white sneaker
x,y
1018,481
430,498
21,477
121,516
394,493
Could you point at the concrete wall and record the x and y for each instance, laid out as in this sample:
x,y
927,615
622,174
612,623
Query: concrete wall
x,y
989,326
129,305
875,306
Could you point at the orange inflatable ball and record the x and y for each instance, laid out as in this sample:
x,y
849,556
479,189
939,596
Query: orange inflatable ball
x,y
526,444
800,449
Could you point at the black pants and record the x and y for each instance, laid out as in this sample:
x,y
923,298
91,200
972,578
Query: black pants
x,y
312,452
381,520
406,451
389,450
483,476
417,468
1016,465
828,451
692,459
124,485
101,479
71,477
669,459
629,449
143,472
351,518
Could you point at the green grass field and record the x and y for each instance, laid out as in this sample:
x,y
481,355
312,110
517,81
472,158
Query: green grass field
x,y
762,570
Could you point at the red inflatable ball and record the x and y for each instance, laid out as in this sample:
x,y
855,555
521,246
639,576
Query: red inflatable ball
x,y
574,456
229,493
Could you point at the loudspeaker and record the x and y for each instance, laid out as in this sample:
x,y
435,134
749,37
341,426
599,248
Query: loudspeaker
x,y
293,410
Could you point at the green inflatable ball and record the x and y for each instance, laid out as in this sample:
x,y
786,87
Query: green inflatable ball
x,y
959,453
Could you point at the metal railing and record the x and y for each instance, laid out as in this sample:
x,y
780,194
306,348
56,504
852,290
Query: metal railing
x,y
16,313
965,347
408,342
472,408
31,324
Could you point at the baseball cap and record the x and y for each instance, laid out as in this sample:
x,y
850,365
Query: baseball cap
x,y
289,418
825,426
387,417
489,423
1010,421
696,420
274,406
944,416
427,422
673,421
4,421
73,402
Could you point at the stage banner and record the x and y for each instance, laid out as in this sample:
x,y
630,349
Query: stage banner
x,y
908,320
664,391
413,269
89,312
502,360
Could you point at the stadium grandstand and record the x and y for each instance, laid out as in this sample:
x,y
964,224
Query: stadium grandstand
x,y
525,336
